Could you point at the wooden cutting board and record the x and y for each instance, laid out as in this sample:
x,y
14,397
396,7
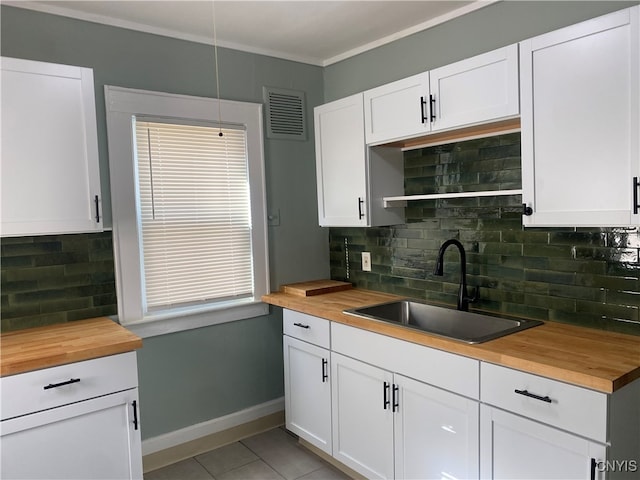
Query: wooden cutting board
x,y
316,287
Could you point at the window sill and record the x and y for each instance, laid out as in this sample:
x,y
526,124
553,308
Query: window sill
x,y
162,323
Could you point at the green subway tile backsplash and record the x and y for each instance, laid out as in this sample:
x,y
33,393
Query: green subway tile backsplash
x,y
56,278
583,276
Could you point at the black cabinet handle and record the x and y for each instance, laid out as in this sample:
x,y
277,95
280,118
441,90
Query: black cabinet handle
x,y
533,395
636,187
301,325
432,104
423,109
593,469
360,214
385,395
134,404
62,384
396,396
526,210
97,202
325,376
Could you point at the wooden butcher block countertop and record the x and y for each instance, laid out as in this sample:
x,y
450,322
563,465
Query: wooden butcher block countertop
x,y
42,347
596,359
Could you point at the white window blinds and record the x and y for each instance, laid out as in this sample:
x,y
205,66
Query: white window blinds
x,y
194,213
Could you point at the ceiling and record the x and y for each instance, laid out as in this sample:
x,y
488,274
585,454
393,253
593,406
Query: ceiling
x,y
310,31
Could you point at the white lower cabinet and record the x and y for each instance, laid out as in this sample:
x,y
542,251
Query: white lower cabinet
x,y
386,425
75,421
94,439
395,409
307,378
533,427
389,420
436,432
514,447
307,392
362,416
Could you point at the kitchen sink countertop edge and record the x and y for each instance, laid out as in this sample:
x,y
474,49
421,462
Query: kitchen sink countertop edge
x,y
53,345
590,358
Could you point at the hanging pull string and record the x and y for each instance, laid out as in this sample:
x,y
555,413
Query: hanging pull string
x,y
215,54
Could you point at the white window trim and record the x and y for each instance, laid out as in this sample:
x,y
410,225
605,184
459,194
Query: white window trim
x,y
121,105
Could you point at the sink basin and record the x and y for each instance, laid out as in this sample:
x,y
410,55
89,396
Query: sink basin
x,y
455,324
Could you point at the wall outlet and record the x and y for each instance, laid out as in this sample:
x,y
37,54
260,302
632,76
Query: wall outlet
x,y
366,261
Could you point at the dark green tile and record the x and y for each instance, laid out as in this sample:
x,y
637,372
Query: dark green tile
x,y
578,238
610,310
550,302
551,251
549,276
577,292
623,297
31,248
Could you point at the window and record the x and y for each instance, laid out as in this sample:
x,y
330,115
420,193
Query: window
x,y
188,210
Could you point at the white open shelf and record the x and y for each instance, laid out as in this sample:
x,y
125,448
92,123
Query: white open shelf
x,y
401,201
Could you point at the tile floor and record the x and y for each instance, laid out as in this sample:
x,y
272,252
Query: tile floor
x,y
273,455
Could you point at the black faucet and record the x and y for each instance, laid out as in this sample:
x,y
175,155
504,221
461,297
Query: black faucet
x,y
463,296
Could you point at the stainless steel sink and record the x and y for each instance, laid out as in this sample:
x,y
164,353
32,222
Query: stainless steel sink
x,y
455,324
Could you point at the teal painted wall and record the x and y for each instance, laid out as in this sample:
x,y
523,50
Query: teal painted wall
x,y
491,27
192,376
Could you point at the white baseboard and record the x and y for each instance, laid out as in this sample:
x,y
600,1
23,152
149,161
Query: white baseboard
x,y
194,432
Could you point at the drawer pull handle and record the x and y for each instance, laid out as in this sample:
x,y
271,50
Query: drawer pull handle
x,y
385,395
97,202
62,384
301,325
432,105
423,105
325,364
533,395
395,396
134,404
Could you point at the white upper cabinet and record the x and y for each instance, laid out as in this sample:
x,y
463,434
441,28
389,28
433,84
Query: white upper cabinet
x,y
50,172
476,90
351,179
398,110
580,95
341,162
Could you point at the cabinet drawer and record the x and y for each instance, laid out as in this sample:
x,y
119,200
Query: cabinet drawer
x,y
559,404
306,327
56,386
445,370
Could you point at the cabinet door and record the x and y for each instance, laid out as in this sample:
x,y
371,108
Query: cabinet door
x,y
397,110
362,417
307,391
580,121
436,432
341,162
476,90
50,179
95,439
513,447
